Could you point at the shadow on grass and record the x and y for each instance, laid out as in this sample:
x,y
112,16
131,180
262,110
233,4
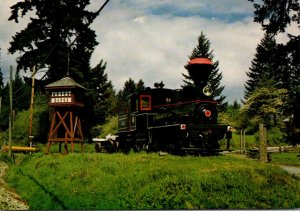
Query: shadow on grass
x,y
53,197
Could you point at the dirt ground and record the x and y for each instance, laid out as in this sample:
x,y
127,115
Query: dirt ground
x,y
9,200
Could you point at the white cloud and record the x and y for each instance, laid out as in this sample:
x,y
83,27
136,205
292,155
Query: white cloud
x,y
7,30
155,48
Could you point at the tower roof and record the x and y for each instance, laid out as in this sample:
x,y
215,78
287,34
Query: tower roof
x,y
65,82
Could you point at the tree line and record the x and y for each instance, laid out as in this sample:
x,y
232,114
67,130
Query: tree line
x,y
272,91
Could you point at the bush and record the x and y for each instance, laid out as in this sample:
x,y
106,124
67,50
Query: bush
x,y
40,123
276,137
111,126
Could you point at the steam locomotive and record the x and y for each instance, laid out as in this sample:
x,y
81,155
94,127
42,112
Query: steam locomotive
x,y
172,120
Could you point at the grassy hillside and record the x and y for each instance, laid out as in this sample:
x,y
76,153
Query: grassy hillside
x,y
150,181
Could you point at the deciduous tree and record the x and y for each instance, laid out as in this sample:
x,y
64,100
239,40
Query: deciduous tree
x,y
266,105
274,16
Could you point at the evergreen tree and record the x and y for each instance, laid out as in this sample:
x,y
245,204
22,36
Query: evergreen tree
x,y
274,17
21,93
236,105
1,85
214,80
101,95
130,87
140,86
264,66
291,51
21,99
5,108
59,31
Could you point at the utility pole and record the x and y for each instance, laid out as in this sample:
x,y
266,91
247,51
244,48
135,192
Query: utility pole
x,y
0,86
31,105
10,113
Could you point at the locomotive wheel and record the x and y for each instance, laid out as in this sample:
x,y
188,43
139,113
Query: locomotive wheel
x,y
124,144
111,148
137,147
98,147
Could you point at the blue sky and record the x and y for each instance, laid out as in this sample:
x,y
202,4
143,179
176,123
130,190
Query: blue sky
x,y
152,39
223,10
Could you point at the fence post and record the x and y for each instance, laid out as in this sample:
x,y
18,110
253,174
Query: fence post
x,y
241,139
244,139
263,143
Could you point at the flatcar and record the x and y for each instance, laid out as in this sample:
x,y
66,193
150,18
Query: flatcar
x,y
172,120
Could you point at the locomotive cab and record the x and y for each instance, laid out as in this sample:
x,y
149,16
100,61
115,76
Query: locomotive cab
x,y
157,97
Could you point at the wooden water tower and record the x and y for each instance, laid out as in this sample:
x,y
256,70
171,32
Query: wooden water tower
x,y
66,100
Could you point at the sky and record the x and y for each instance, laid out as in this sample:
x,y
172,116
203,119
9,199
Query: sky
x,y
152,39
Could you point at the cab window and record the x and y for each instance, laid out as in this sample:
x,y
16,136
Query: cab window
x,y
145,102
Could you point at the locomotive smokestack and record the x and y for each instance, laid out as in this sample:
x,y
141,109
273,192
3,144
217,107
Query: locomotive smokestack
x,y
199,70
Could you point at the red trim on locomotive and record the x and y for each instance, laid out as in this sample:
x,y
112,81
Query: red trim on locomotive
x,y
182,103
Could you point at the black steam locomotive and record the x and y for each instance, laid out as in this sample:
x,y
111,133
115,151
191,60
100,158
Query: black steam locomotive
x,y
174,121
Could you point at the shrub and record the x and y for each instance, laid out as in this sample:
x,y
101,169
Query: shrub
x,y
275,137
40,123
111,126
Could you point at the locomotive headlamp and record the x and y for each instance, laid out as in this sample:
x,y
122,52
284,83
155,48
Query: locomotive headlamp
x,y
207,91
207,113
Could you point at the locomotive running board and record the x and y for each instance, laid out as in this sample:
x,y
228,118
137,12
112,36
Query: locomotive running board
x,y
163,126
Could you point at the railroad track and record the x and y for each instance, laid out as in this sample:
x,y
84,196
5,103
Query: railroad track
x,y
9,200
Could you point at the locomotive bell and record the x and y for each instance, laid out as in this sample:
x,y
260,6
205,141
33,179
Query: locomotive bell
x,y
199,70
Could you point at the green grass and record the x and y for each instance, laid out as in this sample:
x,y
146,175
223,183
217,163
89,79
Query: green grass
x,y
150,181
286,158
54,148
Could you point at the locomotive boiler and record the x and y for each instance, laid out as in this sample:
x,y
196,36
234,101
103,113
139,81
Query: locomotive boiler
x,y
172,120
